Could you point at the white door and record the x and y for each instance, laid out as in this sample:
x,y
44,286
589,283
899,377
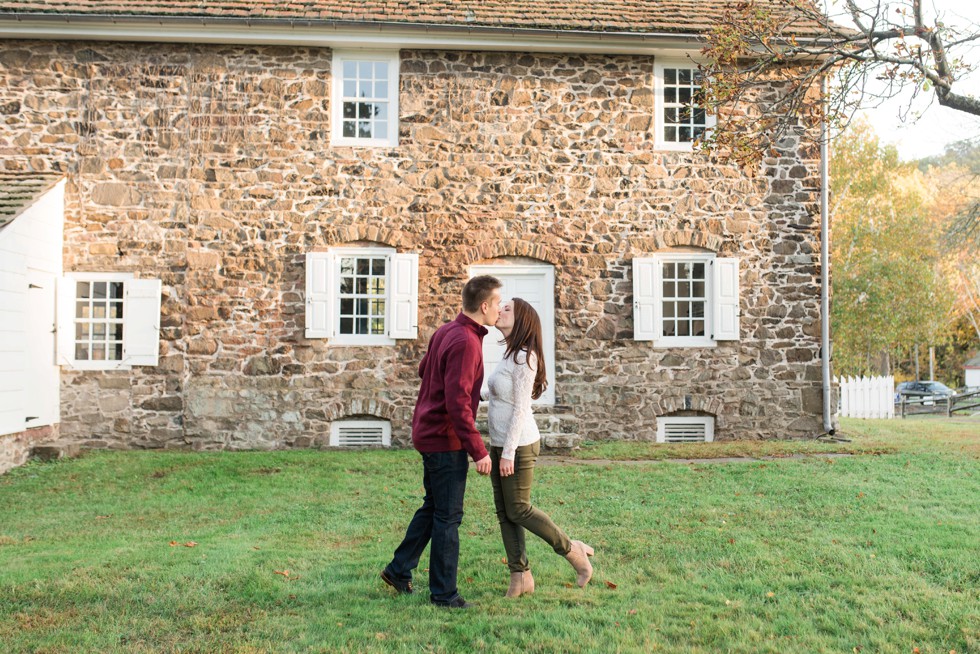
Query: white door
x,y
536,285
43,375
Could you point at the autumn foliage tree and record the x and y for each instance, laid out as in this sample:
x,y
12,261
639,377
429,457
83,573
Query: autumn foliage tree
x,y
891,288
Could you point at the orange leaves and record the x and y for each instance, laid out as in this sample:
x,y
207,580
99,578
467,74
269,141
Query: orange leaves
x,y
286,574
611,585
189,543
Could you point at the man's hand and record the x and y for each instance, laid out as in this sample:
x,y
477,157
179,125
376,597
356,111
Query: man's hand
x,y
483,465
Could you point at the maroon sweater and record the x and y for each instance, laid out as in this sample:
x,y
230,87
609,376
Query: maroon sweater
x,y
452,374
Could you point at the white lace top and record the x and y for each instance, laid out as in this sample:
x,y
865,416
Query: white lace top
x,y
509,415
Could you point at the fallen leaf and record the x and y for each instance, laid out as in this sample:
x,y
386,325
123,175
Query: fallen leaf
x,y
190,543
731,541
631,612
284,573
568,584
174,543
611,585
915,650
256,548
103,517
469,580
770,594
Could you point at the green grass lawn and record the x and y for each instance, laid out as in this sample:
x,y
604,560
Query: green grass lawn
x,y
879,552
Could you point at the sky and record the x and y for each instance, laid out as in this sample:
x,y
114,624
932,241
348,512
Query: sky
x,y
929,127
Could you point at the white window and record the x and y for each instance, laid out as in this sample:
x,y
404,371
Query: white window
x,y
362,296
683,429
685,299
365,99
679,118
360,433
108,321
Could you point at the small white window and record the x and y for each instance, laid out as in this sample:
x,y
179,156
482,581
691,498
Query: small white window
x,y
365,99
108,321
684,429
680,118
685,299
360,433
362,296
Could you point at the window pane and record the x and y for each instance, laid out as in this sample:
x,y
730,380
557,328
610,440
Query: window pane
x,y
115,352
347,265
82,310
697,309
381,90
362,306
361,325
683,328
381,128
346,284
381,70
98,352
82,290
364,129
378,326
698,132
699,271
684,289
699,116
346,325
669,327
350,88
377,307
684,95
669,289
670,134
670,115
364,70
381,111
363,266
116,332
668,309
350,129
669,270
99,290
361,286
81,331
683,309
350,69
116,290
346,307
116,310
365,110
378,286
98,311
98,331
670,75
684,134
698,289
81,352
350,110
670,95
684,76
698,328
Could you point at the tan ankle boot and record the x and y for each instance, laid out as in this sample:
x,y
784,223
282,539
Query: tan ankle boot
x,y
579,558
521,583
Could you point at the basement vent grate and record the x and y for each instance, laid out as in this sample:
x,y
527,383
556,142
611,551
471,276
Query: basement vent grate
x,y
685,430
360,433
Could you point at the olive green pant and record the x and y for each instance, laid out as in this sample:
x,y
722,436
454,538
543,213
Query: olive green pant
x,y
512,498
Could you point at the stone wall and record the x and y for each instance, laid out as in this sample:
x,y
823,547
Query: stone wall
x,y
211,168
15,449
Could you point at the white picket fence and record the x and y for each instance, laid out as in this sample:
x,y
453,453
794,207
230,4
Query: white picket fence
x,y
867,397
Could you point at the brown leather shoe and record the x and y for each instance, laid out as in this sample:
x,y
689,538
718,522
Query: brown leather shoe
x,y
521,583
579,558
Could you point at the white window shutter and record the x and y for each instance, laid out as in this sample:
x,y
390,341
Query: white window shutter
x,y
646,304
141,329
725,323
403,317
319,295
65,318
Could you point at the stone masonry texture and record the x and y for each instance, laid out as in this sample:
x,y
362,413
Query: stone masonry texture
x,y
211,168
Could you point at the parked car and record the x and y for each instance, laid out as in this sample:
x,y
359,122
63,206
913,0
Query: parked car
x,y
927,391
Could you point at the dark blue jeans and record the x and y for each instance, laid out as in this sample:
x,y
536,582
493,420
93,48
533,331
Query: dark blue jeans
x,y
438,520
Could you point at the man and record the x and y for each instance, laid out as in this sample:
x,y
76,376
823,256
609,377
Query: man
x,y
444,432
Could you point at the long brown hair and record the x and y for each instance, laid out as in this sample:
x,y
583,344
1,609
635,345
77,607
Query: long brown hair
x,y
526,335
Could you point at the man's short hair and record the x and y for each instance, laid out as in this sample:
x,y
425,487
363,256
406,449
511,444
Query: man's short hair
x,y
477,291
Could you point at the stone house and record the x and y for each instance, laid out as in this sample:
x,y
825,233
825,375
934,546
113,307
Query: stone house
x,y
266,212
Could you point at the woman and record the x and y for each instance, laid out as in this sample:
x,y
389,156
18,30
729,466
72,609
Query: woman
x,y
514,446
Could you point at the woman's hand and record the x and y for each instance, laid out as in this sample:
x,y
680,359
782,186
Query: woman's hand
x,y
506,467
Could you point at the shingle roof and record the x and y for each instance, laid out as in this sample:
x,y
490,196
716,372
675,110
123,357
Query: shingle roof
x,y
639,16
973,363
18,191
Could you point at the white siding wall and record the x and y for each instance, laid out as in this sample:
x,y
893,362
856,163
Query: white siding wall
x,y
972,378
32,242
